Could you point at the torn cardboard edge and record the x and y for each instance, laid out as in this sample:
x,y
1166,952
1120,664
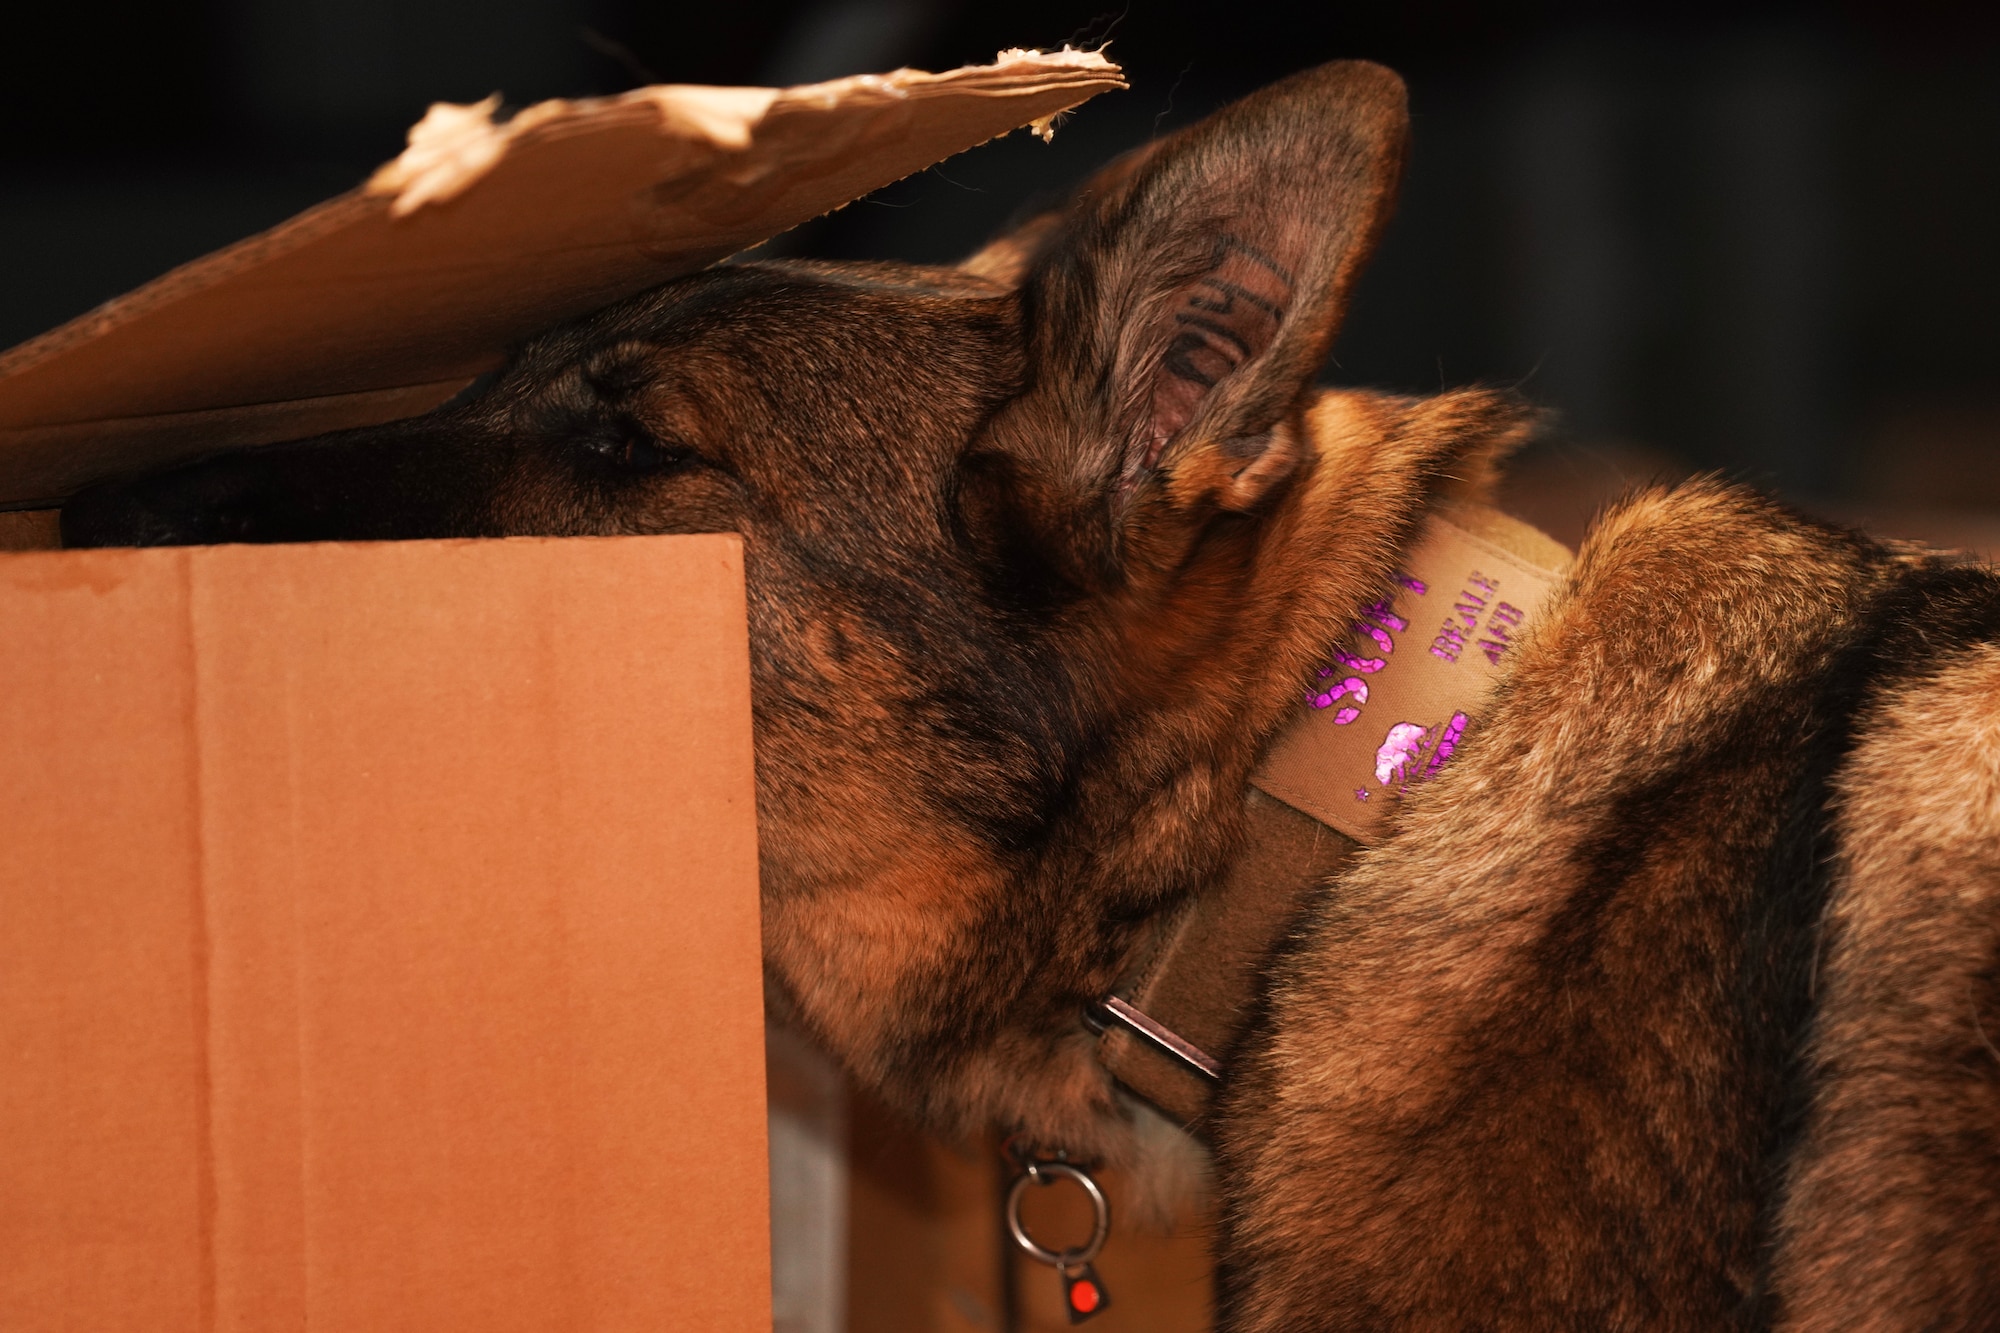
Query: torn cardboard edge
x,y
453,145
381,302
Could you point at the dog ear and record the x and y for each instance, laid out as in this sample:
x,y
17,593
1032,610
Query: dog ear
x,y
1007,258
1012,254
1183,311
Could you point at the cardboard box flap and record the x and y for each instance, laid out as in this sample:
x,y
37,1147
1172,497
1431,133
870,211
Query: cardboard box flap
x,y
384,301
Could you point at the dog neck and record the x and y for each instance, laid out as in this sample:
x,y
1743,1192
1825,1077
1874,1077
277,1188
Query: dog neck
x,y
1171,693
1381,719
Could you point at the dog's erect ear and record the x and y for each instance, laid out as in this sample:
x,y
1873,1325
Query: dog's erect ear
x,y
1011,255
1193,294
1008,257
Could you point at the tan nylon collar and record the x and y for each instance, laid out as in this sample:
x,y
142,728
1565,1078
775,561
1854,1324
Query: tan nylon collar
x,y
1386,714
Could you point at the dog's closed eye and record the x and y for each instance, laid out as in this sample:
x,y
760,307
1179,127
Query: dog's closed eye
x,y
633,451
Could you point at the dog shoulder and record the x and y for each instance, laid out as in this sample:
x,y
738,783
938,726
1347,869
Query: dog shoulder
x,y
1519,1068
1904,1120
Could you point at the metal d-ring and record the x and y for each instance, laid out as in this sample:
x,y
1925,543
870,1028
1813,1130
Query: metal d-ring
x,y
1045,1173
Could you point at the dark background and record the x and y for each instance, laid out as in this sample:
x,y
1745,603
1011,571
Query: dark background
x,y
1760,239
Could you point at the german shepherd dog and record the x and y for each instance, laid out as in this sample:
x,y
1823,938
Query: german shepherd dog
x,y
1674,1003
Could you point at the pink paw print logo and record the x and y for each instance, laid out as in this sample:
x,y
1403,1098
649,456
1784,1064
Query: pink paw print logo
x,y
1399,749
1397,758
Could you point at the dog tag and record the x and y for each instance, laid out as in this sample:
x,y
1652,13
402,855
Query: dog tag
x,y
1083,1292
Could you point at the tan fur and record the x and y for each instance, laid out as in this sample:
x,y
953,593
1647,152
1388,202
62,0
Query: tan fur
x,y
1263,618
1385,1015
1536,1062
1892,1217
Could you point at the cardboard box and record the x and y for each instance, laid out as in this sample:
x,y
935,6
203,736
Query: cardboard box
x,y
381,945
386,301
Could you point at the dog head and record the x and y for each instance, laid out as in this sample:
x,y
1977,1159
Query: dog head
x,y
1039,550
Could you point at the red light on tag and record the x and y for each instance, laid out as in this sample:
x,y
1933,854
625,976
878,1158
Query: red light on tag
x,y
1083,1293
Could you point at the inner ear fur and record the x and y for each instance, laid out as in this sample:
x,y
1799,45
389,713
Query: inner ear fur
x,y
1180,315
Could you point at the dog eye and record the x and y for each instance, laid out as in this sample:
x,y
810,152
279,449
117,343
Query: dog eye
x,y
636,453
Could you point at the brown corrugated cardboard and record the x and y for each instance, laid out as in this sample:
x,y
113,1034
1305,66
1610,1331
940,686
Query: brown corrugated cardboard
x,y
385,301
381,945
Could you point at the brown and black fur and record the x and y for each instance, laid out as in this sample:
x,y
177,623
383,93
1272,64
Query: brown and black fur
x,y
1563,1052
1672,1004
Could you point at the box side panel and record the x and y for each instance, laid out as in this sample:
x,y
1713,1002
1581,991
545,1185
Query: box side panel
x,y
485,935
104,1201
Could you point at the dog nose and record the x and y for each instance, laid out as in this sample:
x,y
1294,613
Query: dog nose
x,y
183,507
378,483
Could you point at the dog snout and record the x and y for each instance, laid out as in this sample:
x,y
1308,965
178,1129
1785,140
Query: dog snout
x,y
200,505
400,481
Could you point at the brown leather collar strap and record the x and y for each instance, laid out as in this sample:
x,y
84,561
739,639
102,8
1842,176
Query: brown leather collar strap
x,y
1177,1017
1386,714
